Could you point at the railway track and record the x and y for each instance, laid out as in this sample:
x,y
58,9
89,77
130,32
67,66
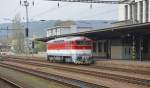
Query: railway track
x,y
73,83
137,71
122,70
115,77
11,83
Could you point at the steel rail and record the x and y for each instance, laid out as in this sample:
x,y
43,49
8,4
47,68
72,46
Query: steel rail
x,y
102,67
11,83
73,83
122,70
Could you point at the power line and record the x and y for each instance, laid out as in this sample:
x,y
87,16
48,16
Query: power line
x,y
50,10
54,9
99,14
94,1
15,10
43,13
11,12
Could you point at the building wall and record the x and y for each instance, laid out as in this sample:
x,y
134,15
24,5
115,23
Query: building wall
x,y
66,30
121,49
141,10
121,12
58,31
116,49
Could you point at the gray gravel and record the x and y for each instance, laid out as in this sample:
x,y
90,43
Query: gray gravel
x,y
28,80
5,85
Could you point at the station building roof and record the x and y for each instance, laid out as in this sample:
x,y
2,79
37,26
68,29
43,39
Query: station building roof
x,y
94,24
111,32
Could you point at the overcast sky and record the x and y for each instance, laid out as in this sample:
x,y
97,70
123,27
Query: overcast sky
x,y
47,10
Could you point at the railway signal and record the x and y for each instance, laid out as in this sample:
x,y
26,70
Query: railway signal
x,y
26,32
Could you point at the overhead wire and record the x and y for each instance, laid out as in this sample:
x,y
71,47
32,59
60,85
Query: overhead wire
x,y
99,14
50,10
13,11
58,4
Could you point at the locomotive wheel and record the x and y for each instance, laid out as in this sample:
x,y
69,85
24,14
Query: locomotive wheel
x,y
52,59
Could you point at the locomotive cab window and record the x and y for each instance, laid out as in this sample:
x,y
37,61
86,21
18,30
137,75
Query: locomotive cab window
x,y
83,42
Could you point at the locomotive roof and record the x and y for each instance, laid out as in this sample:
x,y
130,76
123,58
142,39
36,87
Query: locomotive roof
x,y
70,38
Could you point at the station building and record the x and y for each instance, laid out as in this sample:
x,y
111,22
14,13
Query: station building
x,y
128,38
137,11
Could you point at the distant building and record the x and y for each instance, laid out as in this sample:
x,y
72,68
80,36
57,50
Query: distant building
x,y
5,49
68,27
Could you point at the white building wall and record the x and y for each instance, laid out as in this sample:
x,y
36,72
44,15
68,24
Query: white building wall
x,y
66,30
49,33
149,10
58,31
122,11
138,11
144,11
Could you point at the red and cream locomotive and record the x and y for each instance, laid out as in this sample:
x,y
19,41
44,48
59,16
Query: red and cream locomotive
x,y
71,49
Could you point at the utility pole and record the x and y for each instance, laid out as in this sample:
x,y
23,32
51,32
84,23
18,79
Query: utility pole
x,y
26,4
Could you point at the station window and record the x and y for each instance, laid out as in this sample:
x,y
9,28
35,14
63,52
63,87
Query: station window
x,y
125,50
146,10
135,11
141,11
129,50
126,12
131,11
105,47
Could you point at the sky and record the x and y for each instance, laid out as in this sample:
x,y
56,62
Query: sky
x,y
48,10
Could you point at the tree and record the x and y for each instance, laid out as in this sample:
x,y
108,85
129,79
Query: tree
x,y
40,46
17,36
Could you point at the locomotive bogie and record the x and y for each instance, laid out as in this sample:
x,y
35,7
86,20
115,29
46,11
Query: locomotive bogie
x,y
73,59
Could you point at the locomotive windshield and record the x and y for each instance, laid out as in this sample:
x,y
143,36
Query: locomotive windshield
x,y
83,42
